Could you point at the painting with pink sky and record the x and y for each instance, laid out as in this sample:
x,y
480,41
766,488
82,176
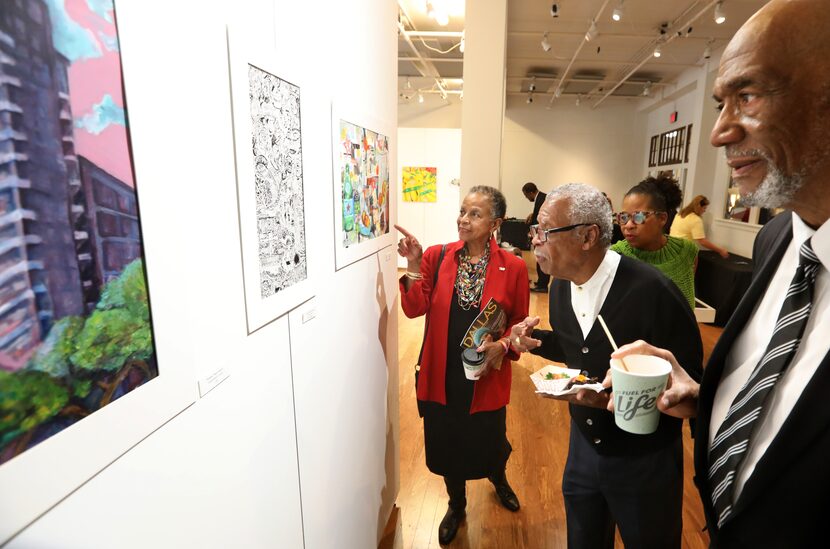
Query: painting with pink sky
x,y
84,32
75,327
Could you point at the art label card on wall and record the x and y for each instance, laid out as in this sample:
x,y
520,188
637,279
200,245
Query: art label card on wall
x,y
75,324
419,184
272,195
363,202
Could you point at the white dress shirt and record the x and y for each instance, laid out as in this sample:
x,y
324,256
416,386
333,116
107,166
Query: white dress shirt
x,y
587,299
751,344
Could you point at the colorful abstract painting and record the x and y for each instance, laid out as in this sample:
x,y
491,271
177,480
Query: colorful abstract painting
x,y
277,156
364,177
419,184
75,330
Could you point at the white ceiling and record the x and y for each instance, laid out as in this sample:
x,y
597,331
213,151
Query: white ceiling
x,y
620,58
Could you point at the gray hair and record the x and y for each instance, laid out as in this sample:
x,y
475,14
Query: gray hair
x,y
498,204
586,205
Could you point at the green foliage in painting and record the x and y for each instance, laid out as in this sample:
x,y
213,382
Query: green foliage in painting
x,y
119,328
27,399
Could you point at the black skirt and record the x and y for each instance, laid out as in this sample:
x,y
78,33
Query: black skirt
x,y
459,444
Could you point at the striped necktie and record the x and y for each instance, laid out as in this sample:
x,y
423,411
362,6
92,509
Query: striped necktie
x,y
732,440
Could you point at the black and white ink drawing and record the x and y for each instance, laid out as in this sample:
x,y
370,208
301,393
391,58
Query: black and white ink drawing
x,y
278,171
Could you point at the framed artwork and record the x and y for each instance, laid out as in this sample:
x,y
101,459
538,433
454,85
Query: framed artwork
x,y
272,195
419,184
363,203
80,376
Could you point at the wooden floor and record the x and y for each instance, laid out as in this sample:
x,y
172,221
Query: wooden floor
x,y
538,431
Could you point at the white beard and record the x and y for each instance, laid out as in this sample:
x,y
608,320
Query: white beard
x,y
776,190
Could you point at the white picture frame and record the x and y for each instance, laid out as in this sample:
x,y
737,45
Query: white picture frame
x,y
263,305
44,475
346,254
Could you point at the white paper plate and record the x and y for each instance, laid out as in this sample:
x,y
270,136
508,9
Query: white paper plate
x,y
556,387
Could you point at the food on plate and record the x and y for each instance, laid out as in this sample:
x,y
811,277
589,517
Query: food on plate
x,y
557,375
581,379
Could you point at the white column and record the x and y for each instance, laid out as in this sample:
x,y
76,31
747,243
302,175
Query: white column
x,y
482,111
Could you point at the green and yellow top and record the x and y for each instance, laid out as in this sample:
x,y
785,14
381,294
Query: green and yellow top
x,y
676,260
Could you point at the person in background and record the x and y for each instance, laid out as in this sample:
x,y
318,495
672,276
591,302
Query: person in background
x,y
616,231
688,224
533,194
643,219
611,477
762,435
464,420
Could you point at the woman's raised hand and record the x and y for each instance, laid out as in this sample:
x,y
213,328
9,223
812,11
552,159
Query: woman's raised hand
x,y
409,248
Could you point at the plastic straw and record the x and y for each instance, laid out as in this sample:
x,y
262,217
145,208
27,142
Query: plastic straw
x,y
611,339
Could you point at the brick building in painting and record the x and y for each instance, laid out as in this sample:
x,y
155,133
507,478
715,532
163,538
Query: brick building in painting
x,y
52,258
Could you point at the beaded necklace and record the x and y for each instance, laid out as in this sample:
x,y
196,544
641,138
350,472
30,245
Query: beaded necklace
x,y
469,281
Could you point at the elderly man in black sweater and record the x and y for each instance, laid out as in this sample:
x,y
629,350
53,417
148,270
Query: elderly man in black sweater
x,y
611,477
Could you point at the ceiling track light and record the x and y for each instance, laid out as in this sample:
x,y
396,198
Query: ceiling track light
x,y
420,97
558,93
707,53
592,32
441,17
647,89
532,86
578,100
408,84
617,14
658,51
545,42
530,98
720,17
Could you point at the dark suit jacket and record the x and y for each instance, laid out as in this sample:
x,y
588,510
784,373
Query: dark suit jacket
x,y
641,304
786,500
537,205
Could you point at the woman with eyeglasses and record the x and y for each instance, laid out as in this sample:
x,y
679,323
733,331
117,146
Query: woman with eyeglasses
x,y
689,225
643,218
465,429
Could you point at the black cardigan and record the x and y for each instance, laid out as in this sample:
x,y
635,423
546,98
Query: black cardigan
x,y
641,304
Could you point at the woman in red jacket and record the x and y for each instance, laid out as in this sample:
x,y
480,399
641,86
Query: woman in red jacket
x,y
464,420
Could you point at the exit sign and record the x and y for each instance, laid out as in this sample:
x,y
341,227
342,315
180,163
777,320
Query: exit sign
x,y
673,117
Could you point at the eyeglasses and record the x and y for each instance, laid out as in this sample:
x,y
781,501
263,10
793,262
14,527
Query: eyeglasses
x,y
542,234
638,217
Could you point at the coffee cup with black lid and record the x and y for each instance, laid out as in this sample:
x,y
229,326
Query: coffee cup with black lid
x,y
473,363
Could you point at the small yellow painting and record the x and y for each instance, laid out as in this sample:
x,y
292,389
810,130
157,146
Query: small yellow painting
x,y
419,184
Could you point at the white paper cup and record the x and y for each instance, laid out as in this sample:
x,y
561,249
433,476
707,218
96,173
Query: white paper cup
x,y
473,363
636,392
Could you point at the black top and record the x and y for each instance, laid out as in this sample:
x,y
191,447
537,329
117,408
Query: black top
x,y
641,304
537,205
459,388
458,444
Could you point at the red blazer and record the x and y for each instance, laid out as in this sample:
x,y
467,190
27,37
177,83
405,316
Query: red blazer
x,y
506,281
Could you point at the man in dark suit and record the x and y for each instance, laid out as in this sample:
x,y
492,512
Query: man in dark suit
x,y
763,430
611,477
533,194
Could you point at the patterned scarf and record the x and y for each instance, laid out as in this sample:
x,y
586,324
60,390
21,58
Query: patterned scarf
x,y
469,282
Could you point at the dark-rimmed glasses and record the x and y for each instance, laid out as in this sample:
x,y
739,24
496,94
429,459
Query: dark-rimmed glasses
x,y
542,234
638,217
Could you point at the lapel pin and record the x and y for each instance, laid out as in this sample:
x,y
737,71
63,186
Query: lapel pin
x,y
501,268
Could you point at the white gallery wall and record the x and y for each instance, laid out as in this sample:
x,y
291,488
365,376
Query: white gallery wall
x,y
431,222
298,446
600,147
